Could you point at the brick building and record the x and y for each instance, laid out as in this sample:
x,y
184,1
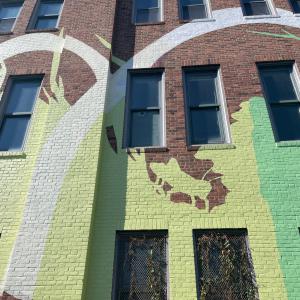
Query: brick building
x,y
150,149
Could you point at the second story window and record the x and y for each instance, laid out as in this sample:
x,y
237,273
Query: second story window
x,y
144,109
147,11
281,89
141,265
194,9
205,107
47,14
9,12
16,111
256,7
296,6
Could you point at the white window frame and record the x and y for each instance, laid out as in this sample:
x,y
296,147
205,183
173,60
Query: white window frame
x,y
270,4
222,104
11,2
34,17
208,9
161,13
295,79
5,100
162,109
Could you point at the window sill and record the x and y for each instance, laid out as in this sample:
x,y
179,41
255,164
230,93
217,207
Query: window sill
x,y
261,17
6,33
12,154
146,149
297,15
42,30
197,20
149,24
211,147
288,144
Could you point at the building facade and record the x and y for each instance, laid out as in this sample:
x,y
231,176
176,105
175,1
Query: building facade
x,y
150,149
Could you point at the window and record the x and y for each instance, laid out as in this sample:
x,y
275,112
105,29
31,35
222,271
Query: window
x,y
223,265
205,107
9,12
140,265
47,14
147,11
280,87
17,109
296,6
256,7
144,117
194,9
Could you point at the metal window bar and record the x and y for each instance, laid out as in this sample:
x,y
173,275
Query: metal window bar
x,y
224,266
141,266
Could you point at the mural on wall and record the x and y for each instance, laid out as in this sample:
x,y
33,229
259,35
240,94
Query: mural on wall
x,y
205,191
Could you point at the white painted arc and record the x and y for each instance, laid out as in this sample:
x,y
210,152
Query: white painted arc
x,y
223,18
52,164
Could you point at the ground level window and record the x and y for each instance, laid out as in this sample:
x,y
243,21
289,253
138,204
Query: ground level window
x,y
224,266
256,7
140,265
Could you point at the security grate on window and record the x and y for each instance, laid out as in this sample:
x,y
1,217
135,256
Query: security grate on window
x,y
224,265
141,266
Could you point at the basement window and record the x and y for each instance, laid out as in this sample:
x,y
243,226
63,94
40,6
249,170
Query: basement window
x,y
140,265
256,7
224,268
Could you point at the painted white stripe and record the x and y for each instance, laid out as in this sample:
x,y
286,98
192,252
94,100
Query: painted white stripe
x,y
51,167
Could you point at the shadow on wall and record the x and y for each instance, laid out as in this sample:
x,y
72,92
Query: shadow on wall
x,y
111,185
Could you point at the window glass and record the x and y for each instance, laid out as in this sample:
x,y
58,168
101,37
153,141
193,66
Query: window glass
x,y
192,2
145,90
194,12
145,129
23,95
6,25
46,23
146,4
12,133
296,6
287,121
49,8
201,89
255,7
8,11
206,126
279,85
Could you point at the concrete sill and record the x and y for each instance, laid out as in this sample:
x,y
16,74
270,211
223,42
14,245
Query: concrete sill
x,y
42,30
288,144
197,20
12,154
211,147
146,150
261,17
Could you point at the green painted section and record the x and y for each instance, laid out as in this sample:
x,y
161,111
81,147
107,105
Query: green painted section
x,y
62,269
279,175
127,199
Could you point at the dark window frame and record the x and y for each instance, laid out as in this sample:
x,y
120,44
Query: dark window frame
x,y
36,17
206,5
5,101
150,233
160,9
11,4
127,111
230,231
223,115
268,6
294,80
